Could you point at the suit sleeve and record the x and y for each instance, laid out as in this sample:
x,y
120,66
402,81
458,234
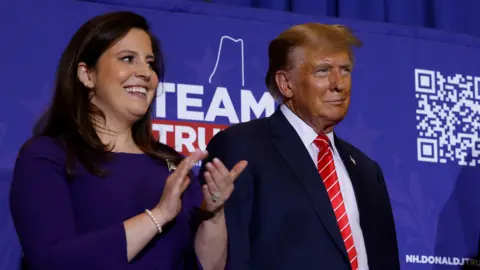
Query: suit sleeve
x,y
392,249
238,209
44,219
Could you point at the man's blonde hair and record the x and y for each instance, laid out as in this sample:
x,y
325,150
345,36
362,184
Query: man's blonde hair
x,y
332,38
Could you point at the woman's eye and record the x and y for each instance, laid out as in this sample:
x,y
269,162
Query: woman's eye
x,y
127,58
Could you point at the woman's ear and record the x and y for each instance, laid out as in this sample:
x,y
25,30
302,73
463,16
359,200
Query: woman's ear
x,y
85,76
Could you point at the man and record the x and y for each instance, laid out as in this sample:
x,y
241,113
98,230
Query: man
x,y
307,200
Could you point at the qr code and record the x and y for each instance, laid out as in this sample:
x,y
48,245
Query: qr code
x,y
448,117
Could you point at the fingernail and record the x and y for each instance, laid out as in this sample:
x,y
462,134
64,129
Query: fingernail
x,y
216,160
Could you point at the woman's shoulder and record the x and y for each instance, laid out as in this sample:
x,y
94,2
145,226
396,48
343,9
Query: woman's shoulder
x,y
42,147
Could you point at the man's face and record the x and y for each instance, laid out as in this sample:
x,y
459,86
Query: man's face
x,y
320,84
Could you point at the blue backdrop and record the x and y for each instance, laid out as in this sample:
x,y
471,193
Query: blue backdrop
x,y
414,106
452,15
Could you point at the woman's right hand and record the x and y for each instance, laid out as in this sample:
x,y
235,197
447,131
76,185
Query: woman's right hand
x,y
170,202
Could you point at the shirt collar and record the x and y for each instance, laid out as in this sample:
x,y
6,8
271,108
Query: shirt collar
x,y
306,133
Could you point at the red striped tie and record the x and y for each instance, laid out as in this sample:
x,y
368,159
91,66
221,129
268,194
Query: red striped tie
x,y
326,168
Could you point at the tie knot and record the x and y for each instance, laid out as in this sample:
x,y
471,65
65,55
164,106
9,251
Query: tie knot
x,y
322,141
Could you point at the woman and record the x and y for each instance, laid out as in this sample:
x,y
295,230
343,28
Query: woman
x,y
93,189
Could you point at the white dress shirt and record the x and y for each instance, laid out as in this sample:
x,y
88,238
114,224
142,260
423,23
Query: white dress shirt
x,y
308,135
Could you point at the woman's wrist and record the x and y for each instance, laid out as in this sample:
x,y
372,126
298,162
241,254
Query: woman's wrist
x,y
156,217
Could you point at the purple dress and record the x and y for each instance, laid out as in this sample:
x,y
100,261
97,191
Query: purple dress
x,y
78,224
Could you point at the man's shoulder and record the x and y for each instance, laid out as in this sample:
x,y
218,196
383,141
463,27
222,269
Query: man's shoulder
x,y
238,137
247,130
237,141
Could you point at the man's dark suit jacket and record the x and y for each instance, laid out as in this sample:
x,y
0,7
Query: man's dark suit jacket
x,y
279,216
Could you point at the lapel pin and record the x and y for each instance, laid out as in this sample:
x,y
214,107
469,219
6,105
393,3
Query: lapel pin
x,y
171,166
353,160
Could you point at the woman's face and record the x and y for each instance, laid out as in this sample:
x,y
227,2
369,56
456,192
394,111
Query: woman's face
x,y
123,81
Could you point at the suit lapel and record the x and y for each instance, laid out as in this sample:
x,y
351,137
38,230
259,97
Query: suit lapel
x,y
350,163
361,191
291,148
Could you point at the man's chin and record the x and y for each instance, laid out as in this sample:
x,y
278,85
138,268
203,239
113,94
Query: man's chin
x,y
336,116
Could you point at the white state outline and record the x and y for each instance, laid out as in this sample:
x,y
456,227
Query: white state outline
x,y
218,57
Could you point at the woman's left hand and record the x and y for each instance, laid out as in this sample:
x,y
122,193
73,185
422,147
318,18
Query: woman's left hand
x,y
219,183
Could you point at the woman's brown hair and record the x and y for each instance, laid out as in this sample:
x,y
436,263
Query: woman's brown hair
x,y
68,119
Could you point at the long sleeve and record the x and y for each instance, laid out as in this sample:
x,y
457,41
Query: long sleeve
x,y
238,208
43,215
390,247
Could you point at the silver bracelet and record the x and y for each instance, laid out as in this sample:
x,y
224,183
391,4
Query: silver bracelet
x,y
154,220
